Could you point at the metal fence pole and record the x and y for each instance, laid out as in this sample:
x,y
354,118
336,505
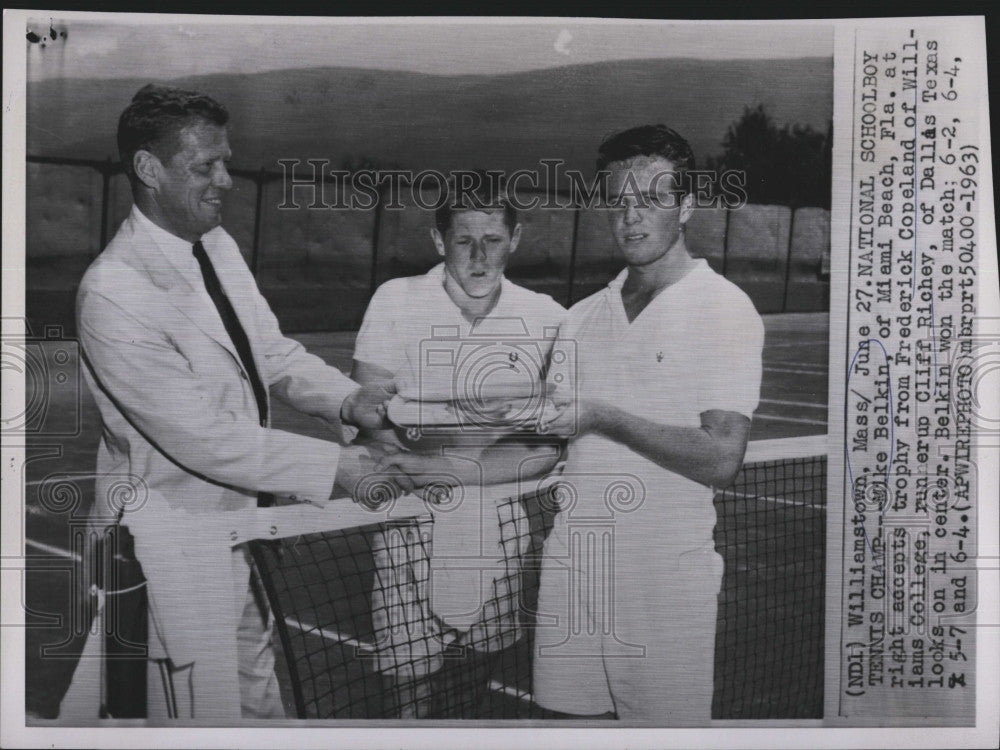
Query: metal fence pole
x,y
572,256
725,246
788,259
373,277
105,199
255,253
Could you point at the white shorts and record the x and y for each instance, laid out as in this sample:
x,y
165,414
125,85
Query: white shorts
x,y
641,646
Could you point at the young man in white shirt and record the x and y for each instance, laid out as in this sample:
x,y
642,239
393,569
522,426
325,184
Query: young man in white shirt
x,y
459,304
668,377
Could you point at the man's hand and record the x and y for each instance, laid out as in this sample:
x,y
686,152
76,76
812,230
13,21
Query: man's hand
x,y
424,469
432,475
358,476
366,407
569,417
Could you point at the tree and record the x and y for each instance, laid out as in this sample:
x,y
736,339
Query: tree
x,y
790,165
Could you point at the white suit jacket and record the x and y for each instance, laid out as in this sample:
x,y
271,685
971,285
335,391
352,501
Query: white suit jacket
x,y
180,424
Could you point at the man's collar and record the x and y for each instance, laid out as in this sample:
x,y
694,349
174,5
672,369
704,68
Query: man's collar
x,y
615,285
179,252
440,272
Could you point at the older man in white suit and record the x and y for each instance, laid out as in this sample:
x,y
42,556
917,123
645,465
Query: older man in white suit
x,y
181,353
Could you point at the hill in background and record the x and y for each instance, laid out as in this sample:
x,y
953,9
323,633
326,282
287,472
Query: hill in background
x,y
421,121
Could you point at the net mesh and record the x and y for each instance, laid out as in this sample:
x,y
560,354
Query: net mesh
x,y
359,639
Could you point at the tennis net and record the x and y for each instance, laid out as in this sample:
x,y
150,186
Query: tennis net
x,y
359,639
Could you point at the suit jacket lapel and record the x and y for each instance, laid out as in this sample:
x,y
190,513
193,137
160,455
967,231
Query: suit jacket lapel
x,y
199,309
190,300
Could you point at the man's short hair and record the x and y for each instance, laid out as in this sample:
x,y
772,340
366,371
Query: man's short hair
x,y
649,140
156,116
488,193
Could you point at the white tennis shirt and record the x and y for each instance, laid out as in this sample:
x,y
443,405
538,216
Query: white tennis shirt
x,y
695,347
414,316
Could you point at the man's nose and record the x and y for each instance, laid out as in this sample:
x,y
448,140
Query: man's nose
x,y
632,215
221,178
477,251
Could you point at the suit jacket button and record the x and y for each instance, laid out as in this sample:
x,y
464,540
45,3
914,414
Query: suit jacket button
x,y
293,498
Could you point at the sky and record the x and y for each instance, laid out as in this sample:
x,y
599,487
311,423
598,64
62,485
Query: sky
x,y
165,47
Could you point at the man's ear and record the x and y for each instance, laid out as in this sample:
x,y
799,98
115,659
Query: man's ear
x,y
687,208
438,241
147,166
515,237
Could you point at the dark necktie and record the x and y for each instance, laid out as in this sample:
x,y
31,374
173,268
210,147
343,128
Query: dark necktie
x,y
239,338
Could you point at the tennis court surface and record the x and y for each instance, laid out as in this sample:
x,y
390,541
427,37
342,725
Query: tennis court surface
x,y
770,530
